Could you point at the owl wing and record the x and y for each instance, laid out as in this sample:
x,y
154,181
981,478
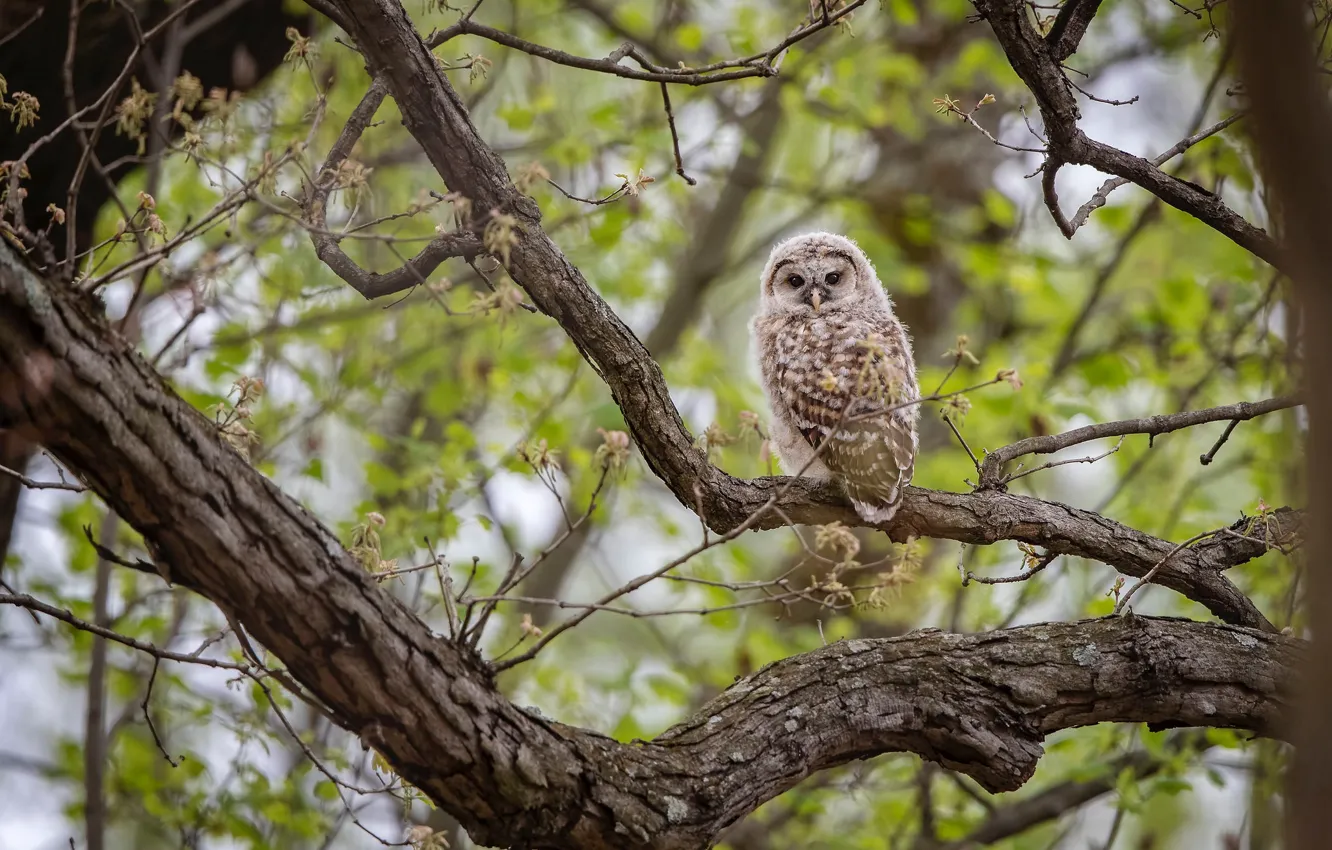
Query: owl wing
x,y
872,447
875,459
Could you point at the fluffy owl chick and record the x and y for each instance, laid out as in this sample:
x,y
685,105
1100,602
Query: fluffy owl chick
x,y
837,368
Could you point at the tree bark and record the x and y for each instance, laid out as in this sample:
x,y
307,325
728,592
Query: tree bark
x,y
1293,129
231,50
978,704
981,705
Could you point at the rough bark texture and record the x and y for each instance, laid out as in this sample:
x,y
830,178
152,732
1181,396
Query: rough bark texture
x,y
981,705
1293,129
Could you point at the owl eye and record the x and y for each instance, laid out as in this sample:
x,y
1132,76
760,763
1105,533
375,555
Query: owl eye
x,y
796,281
832,278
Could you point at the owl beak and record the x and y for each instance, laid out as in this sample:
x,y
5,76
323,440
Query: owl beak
x,y
816,298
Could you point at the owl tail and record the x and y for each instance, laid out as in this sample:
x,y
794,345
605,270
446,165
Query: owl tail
x,y
875,514
875,506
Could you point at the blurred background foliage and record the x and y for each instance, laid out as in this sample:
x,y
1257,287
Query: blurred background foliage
x,y
415,409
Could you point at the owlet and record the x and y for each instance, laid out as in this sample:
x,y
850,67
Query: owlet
x,y
838,371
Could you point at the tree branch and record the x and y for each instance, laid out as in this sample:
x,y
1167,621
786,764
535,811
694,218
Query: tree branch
x,y
33,484
1070,26
434,114
993,466
1016,818
980,705
23,600
757,65
371,285
1036,62
1102,194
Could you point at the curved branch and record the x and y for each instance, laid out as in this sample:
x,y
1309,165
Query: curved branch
x,y
1099,199
990,516
1164,423
1037,63
979,704
757,65
370,284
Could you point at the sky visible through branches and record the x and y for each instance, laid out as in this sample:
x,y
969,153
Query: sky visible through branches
x,y
398,259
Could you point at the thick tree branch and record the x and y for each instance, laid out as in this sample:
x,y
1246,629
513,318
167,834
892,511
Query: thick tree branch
x,y
981,705
990,516
1070,26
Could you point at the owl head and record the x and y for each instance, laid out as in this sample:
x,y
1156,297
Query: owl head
x,y
818,273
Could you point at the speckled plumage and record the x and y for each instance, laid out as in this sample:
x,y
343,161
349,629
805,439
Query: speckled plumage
x,y
837,366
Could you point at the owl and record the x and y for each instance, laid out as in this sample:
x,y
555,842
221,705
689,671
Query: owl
x,y
838,371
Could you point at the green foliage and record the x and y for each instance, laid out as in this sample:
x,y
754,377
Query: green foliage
x,y
399,422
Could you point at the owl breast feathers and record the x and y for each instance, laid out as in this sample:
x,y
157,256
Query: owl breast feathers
x,y
838,371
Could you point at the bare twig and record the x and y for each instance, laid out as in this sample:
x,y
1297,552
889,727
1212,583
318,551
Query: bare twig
x,y
956,433
951,107
757,65
595,202
1207,458
1102,194
23,600
41,485
1151,574
1092,459
1106,100
675,136
992,466
371,285
1044,75
148,717
18,30
1045,561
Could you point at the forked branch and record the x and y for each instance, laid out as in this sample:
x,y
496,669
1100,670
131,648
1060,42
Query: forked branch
x,y
1037,62
412,273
